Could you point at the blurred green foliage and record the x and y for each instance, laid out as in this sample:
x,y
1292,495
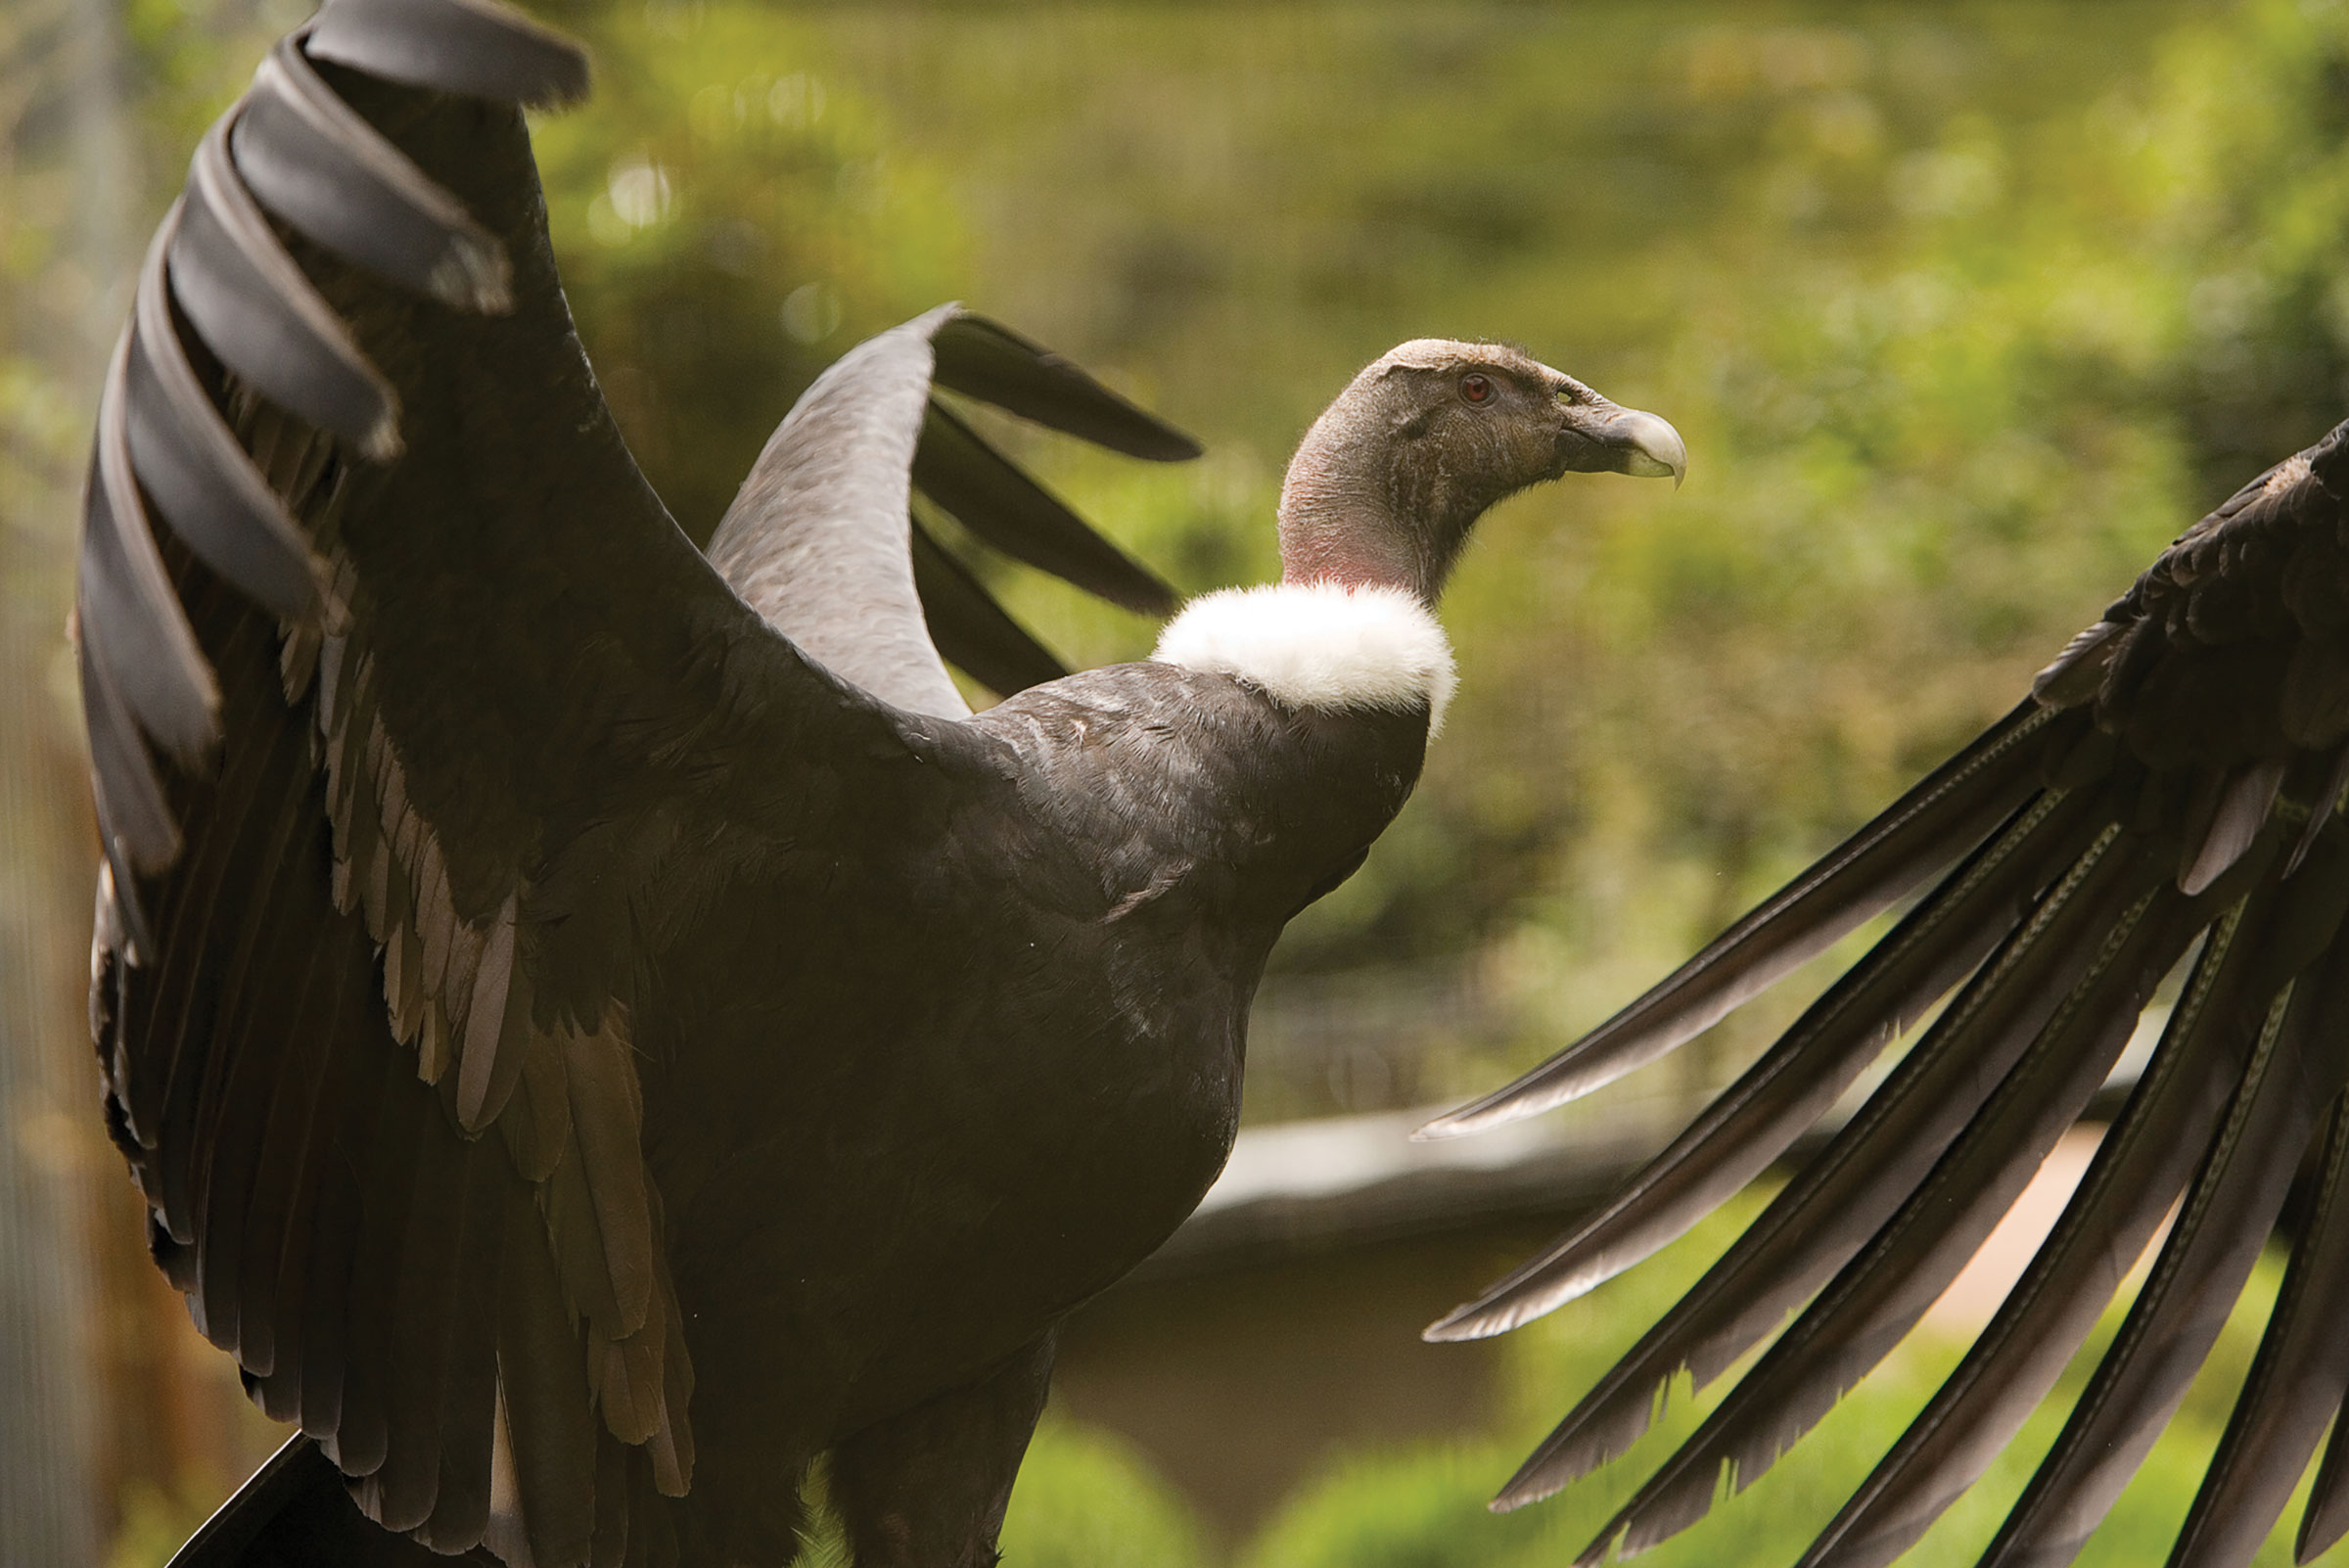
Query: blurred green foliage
x,y
1965,308
728,223
1423,1505
1086,1499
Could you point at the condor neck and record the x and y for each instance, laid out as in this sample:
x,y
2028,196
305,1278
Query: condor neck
x,y
1350,539
1339,522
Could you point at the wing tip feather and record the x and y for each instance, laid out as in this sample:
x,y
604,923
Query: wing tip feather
x,y
477,48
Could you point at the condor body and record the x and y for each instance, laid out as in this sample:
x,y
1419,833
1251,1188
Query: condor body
x,y
599,1026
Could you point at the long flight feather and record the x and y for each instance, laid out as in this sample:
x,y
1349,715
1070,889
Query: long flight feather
x,y
385,1187
255,1132
136,829
2325,1519
206,894
1754,1120
2176,1317
2142,1164
972,632
468,1413
252,306
333,1237
206,487
2296,1383
553,1429
1813,1226
1953,809
984,359
480,48
130,621
992,496
281,1275
416,1355
207,1054
1878,1297
311,160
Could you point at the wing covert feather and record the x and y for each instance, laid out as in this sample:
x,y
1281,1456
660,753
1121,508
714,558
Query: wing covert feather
x,y
820,539
363,983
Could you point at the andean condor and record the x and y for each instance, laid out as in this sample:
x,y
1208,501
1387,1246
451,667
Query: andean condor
x,y
598,1026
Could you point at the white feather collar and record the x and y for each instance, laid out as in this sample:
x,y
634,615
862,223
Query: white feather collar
x,y
1319,645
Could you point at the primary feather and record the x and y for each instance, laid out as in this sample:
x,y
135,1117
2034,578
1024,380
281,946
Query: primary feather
x,y
2174,780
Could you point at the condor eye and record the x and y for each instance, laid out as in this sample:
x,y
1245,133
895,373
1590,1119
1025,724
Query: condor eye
x,y
1476,388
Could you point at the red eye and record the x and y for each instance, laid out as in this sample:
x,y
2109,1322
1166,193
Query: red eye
x,y
1476,388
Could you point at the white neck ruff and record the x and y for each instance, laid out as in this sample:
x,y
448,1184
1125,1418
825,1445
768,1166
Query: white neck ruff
x,y
1321,644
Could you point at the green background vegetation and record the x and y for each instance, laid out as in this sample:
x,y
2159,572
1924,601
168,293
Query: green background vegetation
x,y
1963,309
1423,1505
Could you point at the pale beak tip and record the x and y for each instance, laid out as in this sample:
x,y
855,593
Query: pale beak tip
x,y
1644,445
1654,438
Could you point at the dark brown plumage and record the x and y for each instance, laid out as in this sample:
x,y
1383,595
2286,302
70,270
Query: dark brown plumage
x,y
585,1057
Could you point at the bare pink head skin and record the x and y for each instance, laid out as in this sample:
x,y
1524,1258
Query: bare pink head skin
x,y
1389,480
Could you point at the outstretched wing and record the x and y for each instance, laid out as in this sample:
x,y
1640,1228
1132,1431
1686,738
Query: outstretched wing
x,y
821,540
2173,782
455,727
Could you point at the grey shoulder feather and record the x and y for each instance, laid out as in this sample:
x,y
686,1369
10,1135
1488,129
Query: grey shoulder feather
x,y
819,539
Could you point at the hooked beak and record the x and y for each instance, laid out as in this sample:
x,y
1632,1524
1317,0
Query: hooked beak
x,y
1599,437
